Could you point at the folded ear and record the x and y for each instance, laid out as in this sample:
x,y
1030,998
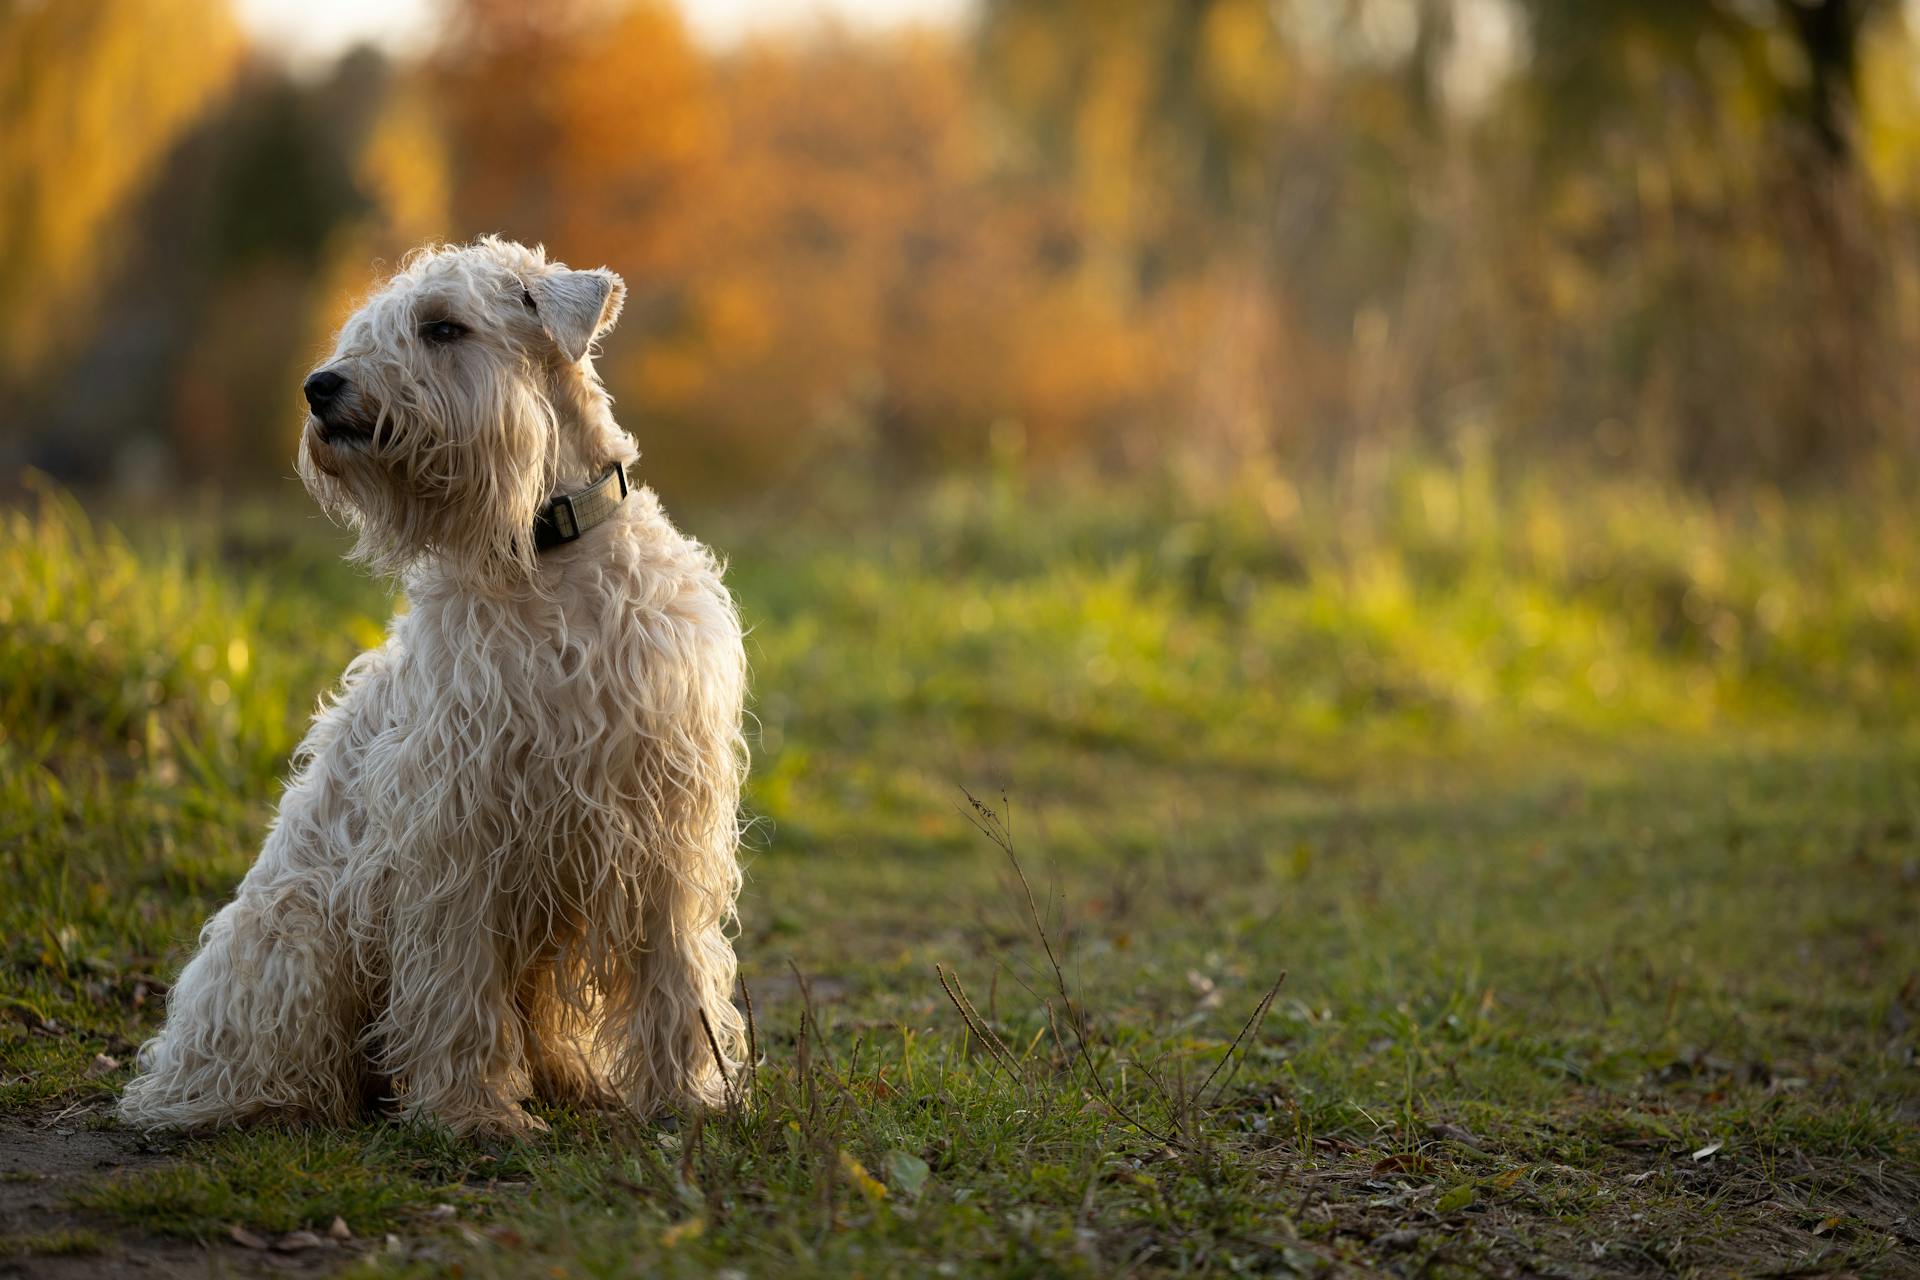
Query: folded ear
x,y
577,306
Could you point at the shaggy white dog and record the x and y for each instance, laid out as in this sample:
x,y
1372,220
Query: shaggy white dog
x,y
505,865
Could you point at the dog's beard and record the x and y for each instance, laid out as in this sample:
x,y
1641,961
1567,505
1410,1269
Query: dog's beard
x,y
462,500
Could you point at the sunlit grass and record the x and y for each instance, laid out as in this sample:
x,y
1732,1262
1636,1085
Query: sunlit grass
x,y
1582,818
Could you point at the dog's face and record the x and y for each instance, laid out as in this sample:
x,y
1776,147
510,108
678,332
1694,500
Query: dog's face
x,y
442,418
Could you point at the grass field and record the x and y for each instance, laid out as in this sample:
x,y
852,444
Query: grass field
x,y
1582,820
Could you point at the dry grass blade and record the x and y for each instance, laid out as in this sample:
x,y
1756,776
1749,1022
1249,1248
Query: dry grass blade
x,y
1248,1028
753,1036
998,829
753,1033
996,1050
719,1061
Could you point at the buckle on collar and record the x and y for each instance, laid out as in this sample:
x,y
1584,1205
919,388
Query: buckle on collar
x,y
560,520
565,522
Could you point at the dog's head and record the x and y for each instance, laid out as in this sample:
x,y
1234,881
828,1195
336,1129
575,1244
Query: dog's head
x,y
456,401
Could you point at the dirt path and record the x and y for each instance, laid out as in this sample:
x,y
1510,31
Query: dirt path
x,y
44,1161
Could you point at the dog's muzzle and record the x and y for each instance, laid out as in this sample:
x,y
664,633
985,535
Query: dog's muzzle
x,y
331,397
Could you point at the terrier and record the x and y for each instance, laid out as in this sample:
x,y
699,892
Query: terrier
x,y
505,866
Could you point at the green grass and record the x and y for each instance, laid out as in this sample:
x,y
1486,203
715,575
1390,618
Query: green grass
x,y
1582,819
52,1244
277,1182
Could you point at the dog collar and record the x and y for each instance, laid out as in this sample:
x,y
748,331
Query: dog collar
x,y
560,520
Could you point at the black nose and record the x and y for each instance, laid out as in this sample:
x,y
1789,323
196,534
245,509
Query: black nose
x,y
322,387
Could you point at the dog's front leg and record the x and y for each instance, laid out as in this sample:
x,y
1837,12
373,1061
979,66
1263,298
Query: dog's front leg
x,y
450,1034
265,1020
259,1024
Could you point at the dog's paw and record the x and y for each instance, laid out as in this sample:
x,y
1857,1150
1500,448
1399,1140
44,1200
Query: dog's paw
x,y
513,1125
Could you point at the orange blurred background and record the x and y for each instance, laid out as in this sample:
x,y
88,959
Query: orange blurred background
x,y
1199,235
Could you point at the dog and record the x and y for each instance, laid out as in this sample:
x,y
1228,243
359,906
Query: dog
x,y
506,863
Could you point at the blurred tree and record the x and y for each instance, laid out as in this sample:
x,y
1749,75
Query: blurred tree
x,y
1158,123
821,249
1727,136
1829,34
841,276
1230,232
92,97
1798,58
281,190
1143,105
233,279
1256,170
577,123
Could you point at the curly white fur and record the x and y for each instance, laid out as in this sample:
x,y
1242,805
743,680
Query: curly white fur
x,y
505,865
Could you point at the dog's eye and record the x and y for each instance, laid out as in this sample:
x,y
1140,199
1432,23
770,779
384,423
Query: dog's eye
x,y
441,332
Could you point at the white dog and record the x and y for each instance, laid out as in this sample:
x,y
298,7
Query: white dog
x,y
505,865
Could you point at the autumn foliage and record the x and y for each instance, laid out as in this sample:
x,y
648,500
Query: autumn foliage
x,y
1216,236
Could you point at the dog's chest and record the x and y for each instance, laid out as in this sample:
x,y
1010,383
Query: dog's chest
x,y
543,699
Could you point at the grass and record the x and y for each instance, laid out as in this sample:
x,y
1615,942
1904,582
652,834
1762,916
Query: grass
x,y
1580,818
52,1244
277,1182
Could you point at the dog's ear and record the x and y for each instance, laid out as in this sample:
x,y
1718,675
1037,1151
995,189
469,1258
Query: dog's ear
x,y
575,307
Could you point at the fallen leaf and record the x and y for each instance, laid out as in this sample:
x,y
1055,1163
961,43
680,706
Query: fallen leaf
x,y
1402,1162
908,1172
692,1229
1506,1180
1458,1197
1453,1133
871,1187
246,1239
1826,1225
1709,1149
297,1241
